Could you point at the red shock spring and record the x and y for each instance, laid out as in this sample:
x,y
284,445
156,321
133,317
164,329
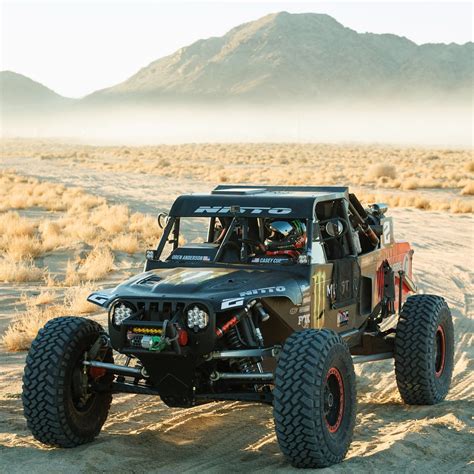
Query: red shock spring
x,y
220,331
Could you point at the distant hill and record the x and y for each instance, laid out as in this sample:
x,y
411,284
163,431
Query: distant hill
x,y
309,58
300,56
19,93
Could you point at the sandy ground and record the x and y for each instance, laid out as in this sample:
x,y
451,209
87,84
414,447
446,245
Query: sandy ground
x,y
142,434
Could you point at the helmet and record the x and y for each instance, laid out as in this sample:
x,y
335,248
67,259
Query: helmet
x,y
286,235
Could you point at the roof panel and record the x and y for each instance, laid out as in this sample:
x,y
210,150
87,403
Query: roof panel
x,y
254,201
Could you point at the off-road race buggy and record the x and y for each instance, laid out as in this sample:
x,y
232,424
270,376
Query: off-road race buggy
x,y
268,294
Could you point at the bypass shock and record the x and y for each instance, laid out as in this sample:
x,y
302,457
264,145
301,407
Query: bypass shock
x,y
233,337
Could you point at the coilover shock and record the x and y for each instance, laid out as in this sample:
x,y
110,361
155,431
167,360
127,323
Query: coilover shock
x,y
234,341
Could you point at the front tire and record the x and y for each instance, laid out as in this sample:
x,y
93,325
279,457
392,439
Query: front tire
x,y
59,406
314,399
424,350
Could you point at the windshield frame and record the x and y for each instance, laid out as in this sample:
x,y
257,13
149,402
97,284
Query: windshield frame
x,y
173,225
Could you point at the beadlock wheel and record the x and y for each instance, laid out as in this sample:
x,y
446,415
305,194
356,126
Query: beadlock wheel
x,y
61,406
440,351
333,399
314,399
424,350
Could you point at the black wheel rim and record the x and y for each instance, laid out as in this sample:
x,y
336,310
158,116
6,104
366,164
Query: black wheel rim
x,y
333,399
440,351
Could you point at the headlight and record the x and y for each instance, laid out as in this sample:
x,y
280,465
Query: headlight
x,y
197,318
120,312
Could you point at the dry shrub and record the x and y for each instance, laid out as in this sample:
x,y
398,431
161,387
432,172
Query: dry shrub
x,y
79,201
23,247
457,206
248,162
75,300
468,190
97,264
80,230
422,203
113,219
29,192
26,325
17,239
19,335
409,184
461,206
12,224
382,170
52,236
44,297
125,243
18,272
146,226
72,276
429,183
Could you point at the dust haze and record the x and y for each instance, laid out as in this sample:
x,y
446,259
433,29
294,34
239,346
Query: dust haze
x,y
427,124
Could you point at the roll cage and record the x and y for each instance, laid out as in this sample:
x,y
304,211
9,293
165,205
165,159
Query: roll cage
x,y
245,208
242,233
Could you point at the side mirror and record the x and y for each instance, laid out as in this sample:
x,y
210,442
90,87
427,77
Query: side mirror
x,y
163,218
334,228
379,208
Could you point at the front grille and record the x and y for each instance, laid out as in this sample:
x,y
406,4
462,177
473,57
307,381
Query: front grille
x,y
161,310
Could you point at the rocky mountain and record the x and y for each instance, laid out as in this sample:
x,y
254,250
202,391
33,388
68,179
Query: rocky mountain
x,y
300,56
308,57
20,93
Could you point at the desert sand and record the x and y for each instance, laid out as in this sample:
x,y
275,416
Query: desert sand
x,y
142,434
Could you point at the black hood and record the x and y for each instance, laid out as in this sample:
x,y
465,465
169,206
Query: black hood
x,y
222,288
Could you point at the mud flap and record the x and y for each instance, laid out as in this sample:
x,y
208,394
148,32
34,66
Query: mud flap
x,y
345,282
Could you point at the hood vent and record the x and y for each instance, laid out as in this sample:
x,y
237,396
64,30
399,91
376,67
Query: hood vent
x,y
150,281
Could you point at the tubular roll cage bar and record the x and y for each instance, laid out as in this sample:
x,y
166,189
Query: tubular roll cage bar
x,y
173,224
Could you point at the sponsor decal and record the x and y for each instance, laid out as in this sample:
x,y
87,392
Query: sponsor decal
x,y
387,231
331,288
304,320
277,211
97,298
401,266
263,291
268,260
200,258
342,318
303,259
319,280
229,303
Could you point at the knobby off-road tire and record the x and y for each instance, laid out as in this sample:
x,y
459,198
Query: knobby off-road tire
x,y
424,350
55,412
314,399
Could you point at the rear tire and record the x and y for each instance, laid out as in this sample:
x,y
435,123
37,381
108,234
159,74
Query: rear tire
x,y
59,408
424,350
314,399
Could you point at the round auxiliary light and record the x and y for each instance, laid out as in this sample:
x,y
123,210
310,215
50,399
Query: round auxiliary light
x,y
196,318
121,311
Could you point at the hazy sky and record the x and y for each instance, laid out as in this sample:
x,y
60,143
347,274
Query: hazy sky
x,y
76,47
